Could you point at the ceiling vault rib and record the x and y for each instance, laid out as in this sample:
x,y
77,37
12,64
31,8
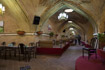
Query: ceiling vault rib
x,y
70,4
22,11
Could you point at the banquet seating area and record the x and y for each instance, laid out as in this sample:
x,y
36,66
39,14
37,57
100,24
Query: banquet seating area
x,y
20,52
52,34
55,50
24,52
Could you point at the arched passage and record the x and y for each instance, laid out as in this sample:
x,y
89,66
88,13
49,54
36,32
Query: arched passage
x,y
51,10
80,30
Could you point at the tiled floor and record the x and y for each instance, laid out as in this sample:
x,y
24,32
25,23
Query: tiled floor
x,y
46,62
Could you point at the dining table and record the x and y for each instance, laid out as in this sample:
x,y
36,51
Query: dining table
x,y
13,50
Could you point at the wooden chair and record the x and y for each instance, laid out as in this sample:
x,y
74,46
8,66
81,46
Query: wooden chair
x,y
101,53
14,50
25,53
33,49
3,43
90,48
1,51
5,50
10,50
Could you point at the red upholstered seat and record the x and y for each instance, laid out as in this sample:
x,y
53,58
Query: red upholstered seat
x,y
88,46
89,49
101,53
83,43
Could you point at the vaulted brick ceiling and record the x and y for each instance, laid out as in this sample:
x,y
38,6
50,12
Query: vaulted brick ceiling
x,y
73,16
20,13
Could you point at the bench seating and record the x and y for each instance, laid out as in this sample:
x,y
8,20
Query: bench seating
x,y
45,44
52,51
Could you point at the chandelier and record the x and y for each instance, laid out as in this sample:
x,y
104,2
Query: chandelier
x,y
2,9
63,16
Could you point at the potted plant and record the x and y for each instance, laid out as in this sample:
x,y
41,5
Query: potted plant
x,y
62,36
39,32
51,34
101,38
20,32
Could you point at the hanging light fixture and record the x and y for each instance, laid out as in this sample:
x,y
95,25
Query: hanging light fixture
x,y
69,21
73,32
2,9
63,16
71,29
69,10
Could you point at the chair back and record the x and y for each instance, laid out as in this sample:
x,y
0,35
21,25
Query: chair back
x,y
83,43
93,42
14,43
21,48
87,46
3,43
32,44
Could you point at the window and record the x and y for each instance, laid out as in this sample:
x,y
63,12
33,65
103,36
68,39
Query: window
x,y
1,27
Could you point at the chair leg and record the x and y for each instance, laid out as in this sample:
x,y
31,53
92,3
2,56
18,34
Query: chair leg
x,y
83,52
14,53
19,56
10,54
0,54
35,54
25,56
96,55
29,56
89,55
5,55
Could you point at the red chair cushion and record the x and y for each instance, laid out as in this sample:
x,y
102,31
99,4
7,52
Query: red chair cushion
x,y
87,46
101,53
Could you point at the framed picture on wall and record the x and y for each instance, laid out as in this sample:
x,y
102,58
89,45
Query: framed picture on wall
x,y
1,27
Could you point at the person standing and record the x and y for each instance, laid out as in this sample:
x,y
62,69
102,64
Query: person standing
x,y
79,39
75,39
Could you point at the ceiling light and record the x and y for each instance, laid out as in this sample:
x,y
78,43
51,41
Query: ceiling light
x,y
69,21
71,29
49,27
68,10
0,5
63,16
73,32
95,34
3,8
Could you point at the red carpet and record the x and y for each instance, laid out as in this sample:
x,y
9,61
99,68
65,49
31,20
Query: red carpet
x,y
91,64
